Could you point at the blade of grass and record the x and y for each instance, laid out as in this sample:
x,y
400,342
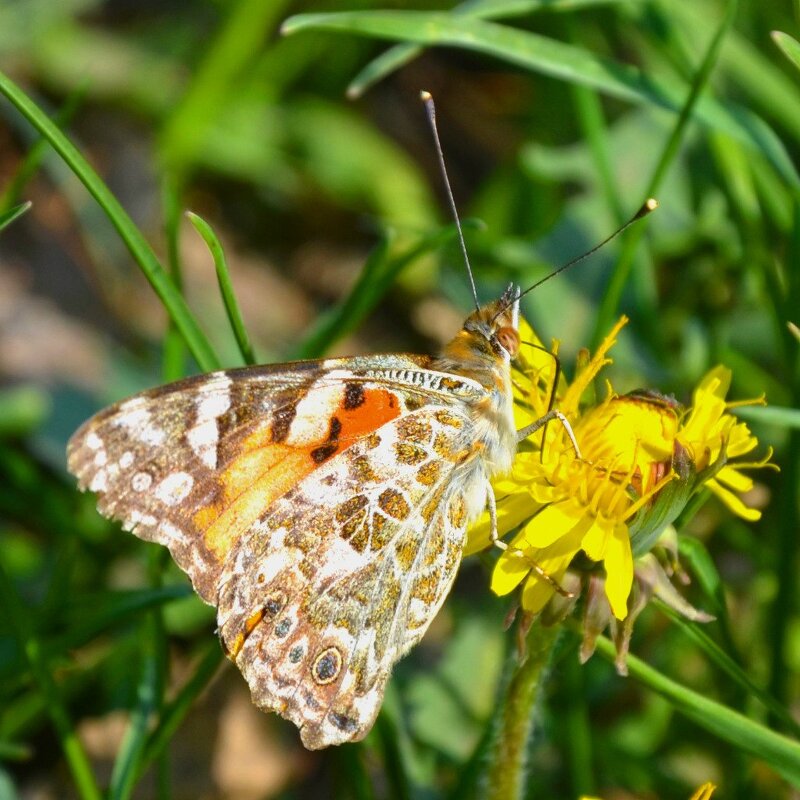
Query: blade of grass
x,y
767,86
125,773
556,59
401,54
225,287
392,740
7,217
778,751
610,302
350,773
173,354
141,251
30,164
150,693
736,673
770,415
174,712
697,558
376,278
23,628
788,45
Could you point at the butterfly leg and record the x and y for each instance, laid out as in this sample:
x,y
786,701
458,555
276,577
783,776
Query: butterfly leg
x,y
491,505
525,432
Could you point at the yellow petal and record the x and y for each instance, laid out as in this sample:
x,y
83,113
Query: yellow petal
x,y
734,502
704,792
537,592
733,479
595,541
553,561
570,402
508,572
552,523
512,510
619,570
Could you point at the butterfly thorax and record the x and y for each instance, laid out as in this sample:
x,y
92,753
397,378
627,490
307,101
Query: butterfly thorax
x,y
482,350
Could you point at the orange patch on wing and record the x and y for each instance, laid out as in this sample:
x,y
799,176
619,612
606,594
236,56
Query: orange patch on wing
x,y
266,470
379,406
251,482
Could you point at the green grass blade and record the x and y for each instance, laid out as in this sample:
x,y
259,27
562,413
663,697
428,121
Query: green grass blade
x,y
23,628
788,45
173,302
401,54
173,357
175,711
780,752
225,287
556,59
736,673
106,611
7,217
149,690
32,161
125,773
770,415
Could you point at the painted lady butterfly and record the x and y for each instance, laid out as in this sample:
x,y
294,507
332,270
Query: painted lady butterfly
x,y
321,506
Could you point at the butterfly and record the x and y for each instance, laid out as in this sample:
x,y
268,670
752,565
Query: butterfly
x,y
321,506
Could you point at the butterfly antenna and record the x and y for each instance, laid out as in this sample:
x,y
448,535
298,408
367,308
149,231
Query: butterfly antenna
x,y
430,109
651,204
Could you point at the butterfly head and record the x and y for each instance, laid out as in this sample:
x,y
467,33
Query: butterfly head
x,y
496,324
488,339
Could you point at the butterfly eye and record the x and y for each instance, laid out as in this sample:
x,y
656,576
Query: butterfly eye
x,y
509,339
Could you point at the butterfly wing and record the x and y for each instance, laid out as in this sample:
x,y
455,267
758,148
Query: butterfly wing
x,y
300,482
344,573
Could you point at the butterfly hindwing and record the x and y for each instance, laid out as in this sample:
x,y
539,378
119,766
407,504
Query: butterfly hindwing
x,y
343,574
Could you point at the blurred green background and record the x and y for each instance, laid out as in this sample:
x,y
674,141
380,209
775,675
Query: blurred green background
x,y
312,159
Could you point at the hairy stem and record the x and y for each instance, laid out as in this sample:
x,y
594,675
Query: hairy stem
x,y
509,755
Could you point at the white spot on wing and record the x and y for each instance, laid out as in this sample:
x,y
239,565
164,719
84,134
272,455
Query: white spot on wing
x,y
126,459
136,517
311,422
203,440
141,481
99,482
169,532
135,418
94,442
174,488
215,404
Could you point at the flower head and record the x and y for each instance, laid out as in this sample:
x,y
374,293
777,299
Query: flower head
x,y
600,520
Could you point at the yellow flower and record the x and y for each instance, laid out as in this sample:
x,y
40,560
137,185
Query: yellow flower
x,y
703,793
595,512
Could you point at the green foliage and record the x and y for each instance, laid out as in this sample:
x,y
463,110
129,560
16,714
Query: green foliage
x,y
558,118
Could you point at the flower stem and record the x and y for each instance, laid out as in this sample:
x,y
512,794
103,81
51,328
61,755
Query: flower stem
x,y
509,755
